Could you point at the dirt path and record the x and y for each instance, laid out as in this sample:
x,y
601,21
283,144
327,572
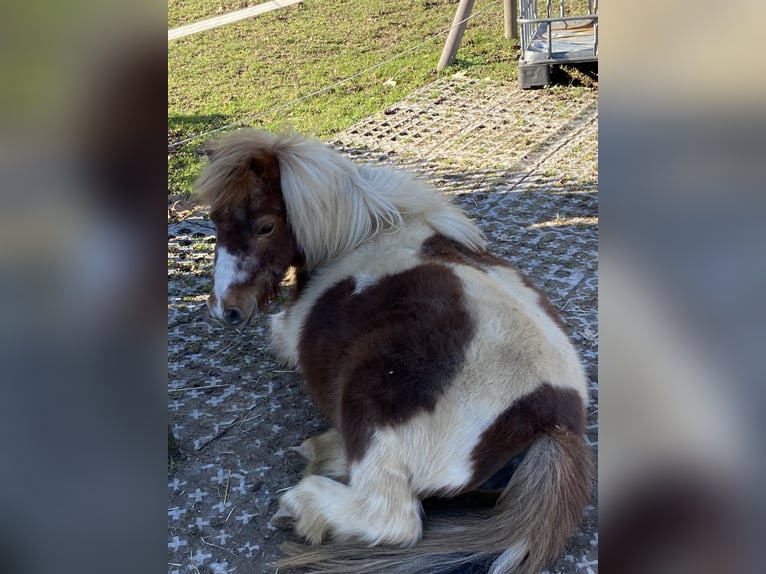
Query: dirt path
x,y
522,163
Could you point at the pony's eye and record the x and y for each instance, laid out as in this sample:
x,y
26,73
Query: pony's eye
x,y
266,229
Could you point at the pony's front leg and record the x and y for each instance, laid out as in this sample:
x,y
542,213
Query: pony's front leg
x,y
377,507
282,343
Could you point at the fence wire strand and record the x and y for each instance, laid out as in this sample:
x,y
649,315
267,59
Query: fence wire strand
x,y
249,119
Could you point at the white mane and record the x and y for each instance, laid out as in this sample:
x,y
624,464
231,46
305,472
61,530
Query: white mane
x,y
334,204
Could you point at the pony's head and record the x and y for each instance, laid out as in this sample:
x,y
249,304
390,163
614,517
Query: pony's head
x,y
254,243
279,200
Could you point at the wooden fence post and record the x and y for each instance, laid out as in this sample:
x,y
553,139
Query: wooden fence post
x,y
455,34
511,18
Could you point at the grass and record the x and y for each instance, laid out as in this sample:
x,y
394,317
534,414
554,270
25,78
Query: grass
x,y
232,73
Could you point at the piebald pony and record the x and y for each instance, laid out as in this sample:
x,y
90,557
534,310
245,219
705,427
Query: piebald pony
x,y
435,362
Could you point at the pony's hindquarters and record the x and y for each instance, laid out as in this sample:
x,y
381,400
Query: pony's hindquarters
x,y
437,376
526,530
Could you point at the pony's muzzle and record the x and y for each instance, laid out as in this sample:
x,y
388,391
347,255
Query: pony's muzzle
x,y
233,317
230,316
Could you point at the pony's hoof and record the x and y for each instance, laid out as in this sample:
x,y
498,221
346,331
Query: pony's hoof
x,y
283,519
305,450
296,458
300,508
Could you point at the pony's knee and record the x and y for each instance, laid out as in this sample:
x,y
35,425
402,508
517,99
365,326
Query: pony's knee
x,y
302,507
401,525
386,505
319,507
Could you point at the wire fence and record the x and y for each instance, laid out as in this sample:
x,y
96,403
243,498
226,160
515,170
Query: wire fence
x,y
248,119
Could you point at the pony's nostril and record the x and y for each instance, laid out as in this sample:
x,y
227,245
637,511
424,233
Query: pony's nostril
x,y
233,316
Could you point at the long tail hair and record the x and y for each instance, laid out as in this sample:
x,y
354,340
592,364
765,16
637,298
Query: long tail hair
x,y
334,204
527,529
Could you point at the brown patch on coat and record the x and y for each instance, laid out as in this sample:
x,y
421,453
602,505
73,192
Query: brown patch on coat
x,y
546,409
448,250
377,358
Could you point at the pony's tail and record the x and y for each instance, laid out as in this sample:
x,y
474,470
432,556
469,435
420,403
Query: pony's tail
x,y
526,530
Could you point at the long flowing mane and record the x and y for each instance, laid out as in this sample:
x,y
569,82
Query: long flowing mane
x,y
333,203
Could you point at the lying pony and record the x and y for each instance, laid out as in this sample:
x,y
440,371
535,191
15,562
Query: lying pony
x,y
435,362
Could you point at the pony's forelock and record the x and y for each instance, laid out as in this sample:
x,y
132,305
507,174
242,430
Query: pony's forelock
x,y
227,177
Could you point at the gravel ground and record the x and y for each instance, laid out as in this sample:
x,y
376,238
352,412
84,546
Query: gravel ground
x,y
523,164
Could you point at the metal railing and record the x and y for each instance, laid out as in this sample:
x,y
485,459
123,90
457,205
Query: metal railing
x,y
538,23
